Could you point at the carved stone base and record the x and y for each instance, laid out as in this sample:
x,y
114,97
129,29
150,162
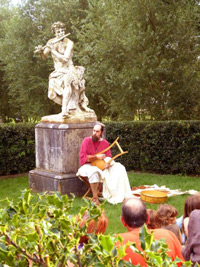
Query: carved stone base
x,y
44,181
82,117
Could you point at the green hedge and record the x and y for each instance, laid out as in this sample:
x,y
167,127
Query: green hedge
x,y
17,148
160,147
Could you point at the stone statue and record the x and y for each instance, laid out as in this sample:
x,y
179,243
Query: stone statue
x,y
66,82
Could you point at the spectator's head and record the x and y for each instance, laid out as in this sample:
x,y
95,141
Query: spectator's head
x,y
167,214
98,227
154,221
134,213
191,203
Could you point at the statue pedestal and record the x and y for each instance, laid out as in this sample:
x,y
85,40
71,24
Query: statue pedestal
x,y
57,157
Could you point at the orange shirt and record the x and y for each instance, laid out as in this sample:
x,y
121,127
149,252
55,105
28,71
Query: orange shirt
x,y
174,245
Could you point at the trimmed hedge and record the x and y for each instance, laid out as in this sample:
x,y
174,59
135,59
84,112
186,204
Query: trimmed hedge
x,y
159,147
17,148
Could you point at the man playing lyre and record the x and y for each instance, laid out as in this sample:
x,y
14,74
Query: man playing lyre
x,y
116,185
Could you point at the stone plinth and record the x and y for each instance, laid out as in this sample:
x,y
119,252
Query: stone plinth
x,y
76,117
57,157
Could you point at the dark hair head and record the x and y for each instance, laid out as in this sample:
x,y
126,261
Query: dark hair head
x,y
134,212
166,214
191,203
154,221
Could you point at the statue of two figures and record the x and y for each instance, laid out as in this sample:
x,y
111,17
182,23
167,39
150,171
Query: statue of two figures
x,y
66,82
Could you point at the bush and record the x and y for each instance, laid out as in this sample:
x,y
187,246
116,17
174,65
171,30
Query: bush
x,y
17,148
168,147
39,231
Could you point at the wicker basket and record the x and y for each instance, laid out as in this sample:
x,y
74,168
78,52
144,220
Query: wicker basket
x,y
153,196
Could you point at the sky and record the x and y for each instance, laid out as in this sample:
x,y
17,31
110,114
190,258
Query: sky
x,y
15,2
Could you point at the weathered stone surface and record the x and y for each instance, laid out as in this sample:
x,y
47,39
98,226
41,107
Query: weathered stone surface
x,y
66,82
41,181
57,157
76,117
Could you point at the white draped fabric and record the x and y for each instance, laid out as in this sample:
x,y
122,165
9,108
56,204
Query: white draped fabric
x,y
116,186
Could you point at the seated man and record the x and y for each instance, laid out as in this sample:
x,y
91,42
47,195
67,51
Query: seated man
x,y
116,185
134,215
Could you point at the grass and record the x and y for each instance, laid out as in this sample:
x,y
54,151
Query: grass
x,y
12,187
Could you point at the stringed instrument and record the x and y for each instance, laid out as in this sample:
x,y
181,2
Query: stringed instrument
x,y
100,163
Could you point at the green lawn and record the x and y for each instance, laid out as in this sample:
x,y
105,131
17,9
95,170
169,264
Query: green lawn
x,y
12,187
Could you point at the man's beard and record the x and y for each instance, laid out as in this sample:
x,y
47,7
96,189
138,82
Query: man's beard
x,y
95,138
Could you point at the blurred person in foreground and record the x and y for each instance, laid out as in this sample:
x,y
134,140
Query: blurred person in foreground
x,y
167,214
153,222
191,203
191,251
134,216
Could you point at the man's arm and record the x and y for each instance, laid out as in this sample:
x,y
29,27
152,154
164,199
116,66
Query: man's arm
x,y
91,158
85,155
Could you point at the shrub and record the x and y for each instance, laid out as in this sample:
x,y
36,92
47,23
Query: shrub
x,y
17,148
168,147
160,147
41,231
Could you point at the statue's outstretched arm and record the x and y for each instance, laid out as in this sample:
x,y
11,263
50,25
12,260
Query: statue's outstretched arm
x,y
43,51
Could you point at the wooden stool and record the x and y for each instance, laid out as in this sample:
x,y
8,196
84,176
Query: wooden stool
x,y
86,181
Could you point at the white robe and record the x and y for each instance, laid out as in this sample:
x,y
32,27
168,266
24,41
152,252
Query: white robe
x,y
115,181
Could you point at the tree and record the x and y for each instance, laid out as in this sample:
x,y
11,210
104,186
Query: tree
x,y
142,58
25,73
5,110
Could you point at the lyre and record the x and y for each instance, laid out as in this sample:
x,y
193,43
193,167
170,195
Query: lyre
x,y
100,163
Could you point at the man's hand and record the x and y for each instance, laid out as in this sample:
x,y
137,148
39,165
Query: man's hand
x,y
101,156
107,165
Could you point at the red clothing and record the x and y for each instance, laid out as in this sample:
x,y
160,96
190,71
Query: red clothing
x,y
174,245
88,147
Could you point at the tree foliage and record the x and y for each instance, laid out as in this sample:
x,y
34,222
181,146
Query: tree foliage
x,y
26,74
141,57
5,110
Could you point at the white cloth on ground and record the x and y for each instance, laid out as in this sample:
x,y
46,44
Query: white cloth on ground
x,y
116,186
